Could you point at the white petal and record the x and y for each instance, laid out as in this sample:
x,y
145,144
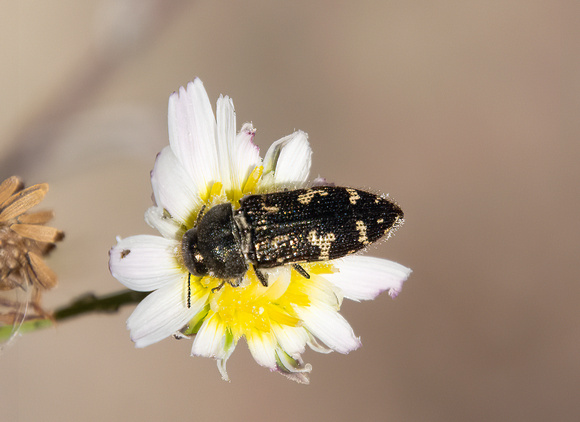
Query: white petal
x,y
316,346
163,312
289,158
364,277
192,134
221,363
174,190
291,339
245,156
329,326
144,263
321,181
165,225
226,135
263,348
322,290
210,339
292,368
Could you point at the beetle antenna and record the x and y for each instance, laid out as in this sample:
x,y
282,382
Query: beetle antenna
x,y
188,290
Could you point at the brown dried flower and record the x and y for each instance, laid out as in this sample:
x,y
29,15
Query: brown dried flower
x,y
24,240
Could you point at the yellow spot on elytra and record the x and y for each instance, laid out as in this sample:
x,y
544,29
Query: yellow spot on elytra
x,y
362,230
323,242
270,210
307,196
353,195
278,240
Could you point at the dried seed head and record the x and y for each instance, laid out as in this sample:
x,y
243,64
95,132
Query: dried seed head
x,y
24,240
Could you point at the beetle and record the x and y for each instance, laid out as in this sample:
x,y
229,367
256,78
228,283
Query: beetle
x,y
287,227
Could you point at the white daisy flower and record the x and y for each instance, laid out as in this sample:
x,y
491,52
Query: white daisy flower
x,y
205,164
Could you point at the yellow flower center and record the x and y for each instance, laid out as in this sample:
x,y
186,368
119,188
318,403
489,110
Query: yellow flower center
x,y
251,307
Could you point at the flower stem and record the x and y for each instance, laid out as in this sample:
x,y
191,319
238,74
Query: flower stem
x,y
106,304
85,304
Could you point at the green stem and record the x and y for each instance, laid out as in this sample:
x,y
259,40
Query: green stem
x,y
106,304
85,304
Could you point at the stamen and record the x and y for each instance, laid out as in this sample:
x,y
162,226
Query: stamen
x,y
253,180
216,190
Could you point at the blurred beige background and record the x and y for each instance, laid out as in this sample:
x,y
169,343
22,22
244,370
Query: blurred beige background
x,y
465,112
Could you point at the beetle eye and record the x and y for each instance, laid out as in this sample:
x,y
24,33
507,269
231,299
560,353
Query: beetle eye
x,y
192,258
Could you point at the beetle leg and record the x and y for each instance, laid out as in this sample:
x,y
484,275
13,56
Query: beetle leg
x,y
263,278
218,288
200,214
301,270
